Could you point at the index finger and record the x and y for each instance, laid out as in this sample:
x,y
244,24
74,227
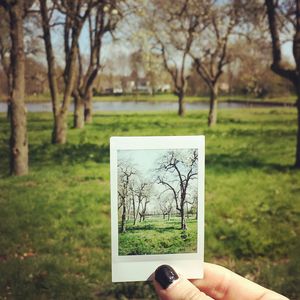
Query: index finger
x,y
223,284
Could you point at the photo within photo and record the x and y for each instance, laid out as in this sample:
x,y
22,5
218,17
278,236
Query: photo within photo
x,y
157,201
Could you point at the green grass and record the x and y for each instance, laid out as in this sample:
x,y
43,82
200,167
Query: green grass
x,y
169,97
158,236
55,222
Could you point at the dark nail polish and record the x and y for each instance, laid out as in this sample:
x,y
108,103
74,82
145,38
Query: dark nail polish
x,y
165,275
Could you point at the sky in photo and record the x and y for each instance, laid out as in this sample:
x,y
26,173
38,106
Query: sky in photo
x,y
144,161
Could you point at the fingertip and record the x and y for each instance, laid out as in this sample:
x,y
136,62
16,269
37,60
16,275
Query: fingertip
x,y
165,275
170,286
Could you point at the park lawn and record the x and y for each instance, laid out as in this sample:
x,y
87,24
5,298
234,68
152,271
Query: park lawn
x,y
55,222
158,236
168,97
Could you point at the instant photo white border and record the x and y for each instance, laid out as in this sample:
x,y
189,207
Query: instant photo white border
x,y
141,267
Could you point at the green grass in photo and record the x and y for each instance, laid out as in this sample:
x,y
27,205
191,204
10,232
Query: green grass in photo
x,y
158,236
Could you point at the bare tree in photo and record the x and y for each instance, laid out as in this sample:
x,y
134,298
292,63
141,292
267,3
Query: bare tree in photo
x,y
166,205
140,194
284,19
145,200
177,170
125,174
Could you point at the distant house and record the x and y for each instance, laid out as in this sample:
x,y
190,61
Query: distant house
x,y
224,87
129,85
164,88
113,91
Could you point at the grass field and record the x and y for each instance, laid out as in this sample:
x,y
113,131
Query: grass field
x,y
158,236
166,98
55,222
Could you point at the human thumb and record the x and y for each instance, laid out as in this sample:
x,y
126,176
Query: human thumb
x,y
170,286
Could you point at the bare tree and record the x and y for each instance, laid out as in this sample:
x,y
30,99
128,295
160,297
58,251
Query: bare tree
x,y
18,140
284,16
177,169
102,19
5,48
75,14
172,27
210,52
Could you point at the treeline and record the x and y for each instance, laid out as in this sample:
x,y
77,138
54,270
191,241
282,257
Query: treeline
x,y
207,38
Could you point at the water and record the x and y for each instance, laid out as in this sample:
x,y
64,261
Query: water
x,y
131,106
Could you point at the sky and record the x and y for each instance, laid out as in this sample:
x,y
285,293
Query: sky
x,y
119,47
144,161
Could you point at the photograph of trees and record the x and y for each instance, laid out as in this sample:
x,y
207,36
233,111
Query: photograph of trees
x,y
157,201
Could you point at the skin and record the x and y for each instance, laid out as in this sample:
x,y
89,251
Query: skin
x,y
218,284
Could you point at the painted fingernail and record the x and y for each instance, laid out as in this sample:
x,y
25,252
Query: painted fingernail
x,y
165,275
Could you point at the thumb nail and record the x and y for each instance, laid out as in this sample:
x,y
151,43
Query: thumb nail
x,y
165,275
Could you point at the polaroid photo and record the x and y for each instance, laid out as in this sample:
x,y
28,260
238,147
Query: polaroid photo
x,y
157,205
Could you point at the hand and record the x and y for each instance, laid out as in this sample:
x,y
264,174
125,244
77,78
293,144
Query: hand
x,y
218,284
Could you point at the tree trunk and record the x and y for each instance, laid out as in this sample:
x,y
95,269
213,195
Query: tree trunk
x,y
296,52
88,108
52,75
137,212
187,211
18,139
181,106
59,134
133,210
213,106
182,221
277,66
8,113
78,112
297,163
123,221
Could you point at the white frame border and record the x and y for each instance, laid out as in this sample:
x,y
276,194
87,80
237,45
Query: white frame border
x,y
141,267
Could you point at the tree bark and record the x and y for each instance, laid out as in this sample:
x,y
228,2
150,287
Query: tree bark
x,y
213,106
123,220
88,108
291,74
181,106
297,162
60,129
296,52
52,75
18,139
78,112
182,219
61,125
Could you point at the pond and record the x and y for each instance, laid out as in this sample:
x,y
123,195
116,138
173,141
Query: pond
x,y
132,106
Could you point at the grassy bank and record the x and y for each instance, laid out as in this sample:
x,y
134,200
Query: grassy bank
x,y
55,222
